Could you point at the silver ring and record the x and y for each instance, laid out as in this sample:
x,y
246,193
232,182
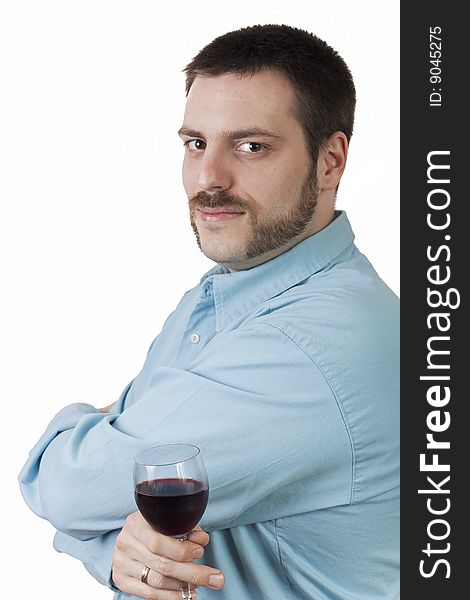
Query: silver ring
x,y
144,574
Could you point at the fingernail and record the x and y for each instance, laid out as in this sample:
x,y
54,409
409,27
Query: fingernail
x,y
216,581
198,552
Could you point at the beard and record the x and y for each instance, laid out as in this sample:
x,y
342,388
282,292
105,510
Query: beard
x,y
267,234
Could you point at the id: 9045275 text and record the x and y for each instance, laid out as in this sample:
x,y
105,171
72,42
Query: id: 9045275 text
x,y
435,71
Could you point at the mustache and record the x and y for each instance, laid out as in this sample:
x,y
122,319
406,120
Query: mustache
x,y
218,199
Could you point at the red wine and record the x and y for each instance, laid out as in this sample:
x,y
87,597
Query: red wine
x,y
172,506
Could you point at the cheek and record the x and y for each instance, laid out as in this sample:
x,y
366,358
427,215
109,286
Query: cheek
x,y
288,186
269,190
260,187
189,177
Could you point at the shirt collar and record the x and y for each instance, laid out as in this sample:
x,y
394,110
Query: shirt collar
x,y
238,292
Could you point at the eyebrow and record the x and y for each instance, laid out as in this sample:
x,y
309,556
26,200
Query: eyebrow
x,y
233,135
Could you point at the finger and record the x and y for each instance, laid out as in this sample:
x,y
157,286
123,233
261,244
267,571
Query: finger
x,y
198,536
190,572
172,548
163,545
137,551
130,585
154,579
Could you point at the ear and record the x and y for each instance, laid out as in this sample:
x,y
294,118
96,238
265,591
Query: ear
x,y
332,161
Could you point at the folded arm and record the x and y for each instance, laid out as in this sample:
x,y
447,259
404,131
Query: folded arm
x,y
264,424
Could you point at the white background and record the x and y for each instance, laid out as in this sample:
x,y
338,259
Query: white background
x,y
96,247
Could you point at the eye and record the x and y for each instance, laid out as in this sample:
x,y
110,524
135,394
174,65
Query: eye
x,y
251,147
194,145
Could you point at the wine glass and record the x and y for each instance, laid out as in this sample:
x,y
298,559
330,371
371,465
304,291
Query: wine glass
x,y
171,489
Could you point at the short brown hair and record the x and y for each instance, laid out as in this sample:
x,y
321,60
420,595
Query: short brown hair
x,y
322,82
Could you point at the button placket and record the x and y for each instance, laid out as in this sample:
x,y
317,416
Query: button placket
x,y
208,289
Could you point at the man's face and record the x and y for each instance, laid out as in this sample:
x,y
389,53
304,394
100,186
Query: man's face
x,y
247,173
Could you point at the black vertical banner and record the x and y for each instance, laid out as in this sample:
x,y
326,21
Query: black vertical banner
x,y
435,435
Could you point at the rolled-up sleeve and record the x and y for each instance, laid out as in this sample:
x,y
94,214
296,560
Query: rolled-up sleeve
x,y
266,419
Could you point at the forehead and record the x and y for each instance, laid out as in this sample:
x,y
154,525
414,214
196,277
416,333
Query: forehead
x,y
265,99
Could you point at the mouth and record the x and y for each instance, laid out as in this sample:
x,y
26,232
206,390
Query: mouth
x,y
217,215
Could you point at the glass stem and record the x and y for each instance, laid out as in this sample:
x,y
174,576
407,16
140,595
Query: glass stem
x,y
185,587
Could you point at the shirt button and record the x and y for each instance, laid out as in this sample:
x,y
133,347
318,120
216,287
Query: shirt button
x,y
208,289
195,337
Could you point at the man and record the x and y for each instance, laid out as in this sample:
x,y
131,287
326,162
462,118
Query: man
x,y
281,365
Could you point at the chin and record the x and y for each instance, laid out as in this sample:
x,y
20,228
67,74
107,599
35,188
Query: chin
x,y
221,256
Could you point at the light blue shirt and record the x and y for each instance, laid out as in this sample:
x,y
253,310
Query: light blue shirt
x,y
286,376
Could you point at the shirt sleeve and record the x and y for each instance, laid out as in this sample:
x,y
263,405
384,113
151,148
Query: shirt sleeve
x,y
270,430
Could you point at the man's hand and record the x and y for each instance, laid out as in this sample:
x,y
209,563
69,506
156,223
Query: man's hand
x,y
170,562
106,409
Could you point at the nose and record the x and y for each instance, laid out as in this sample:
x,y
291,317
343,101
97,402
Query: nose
x,y
214,173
